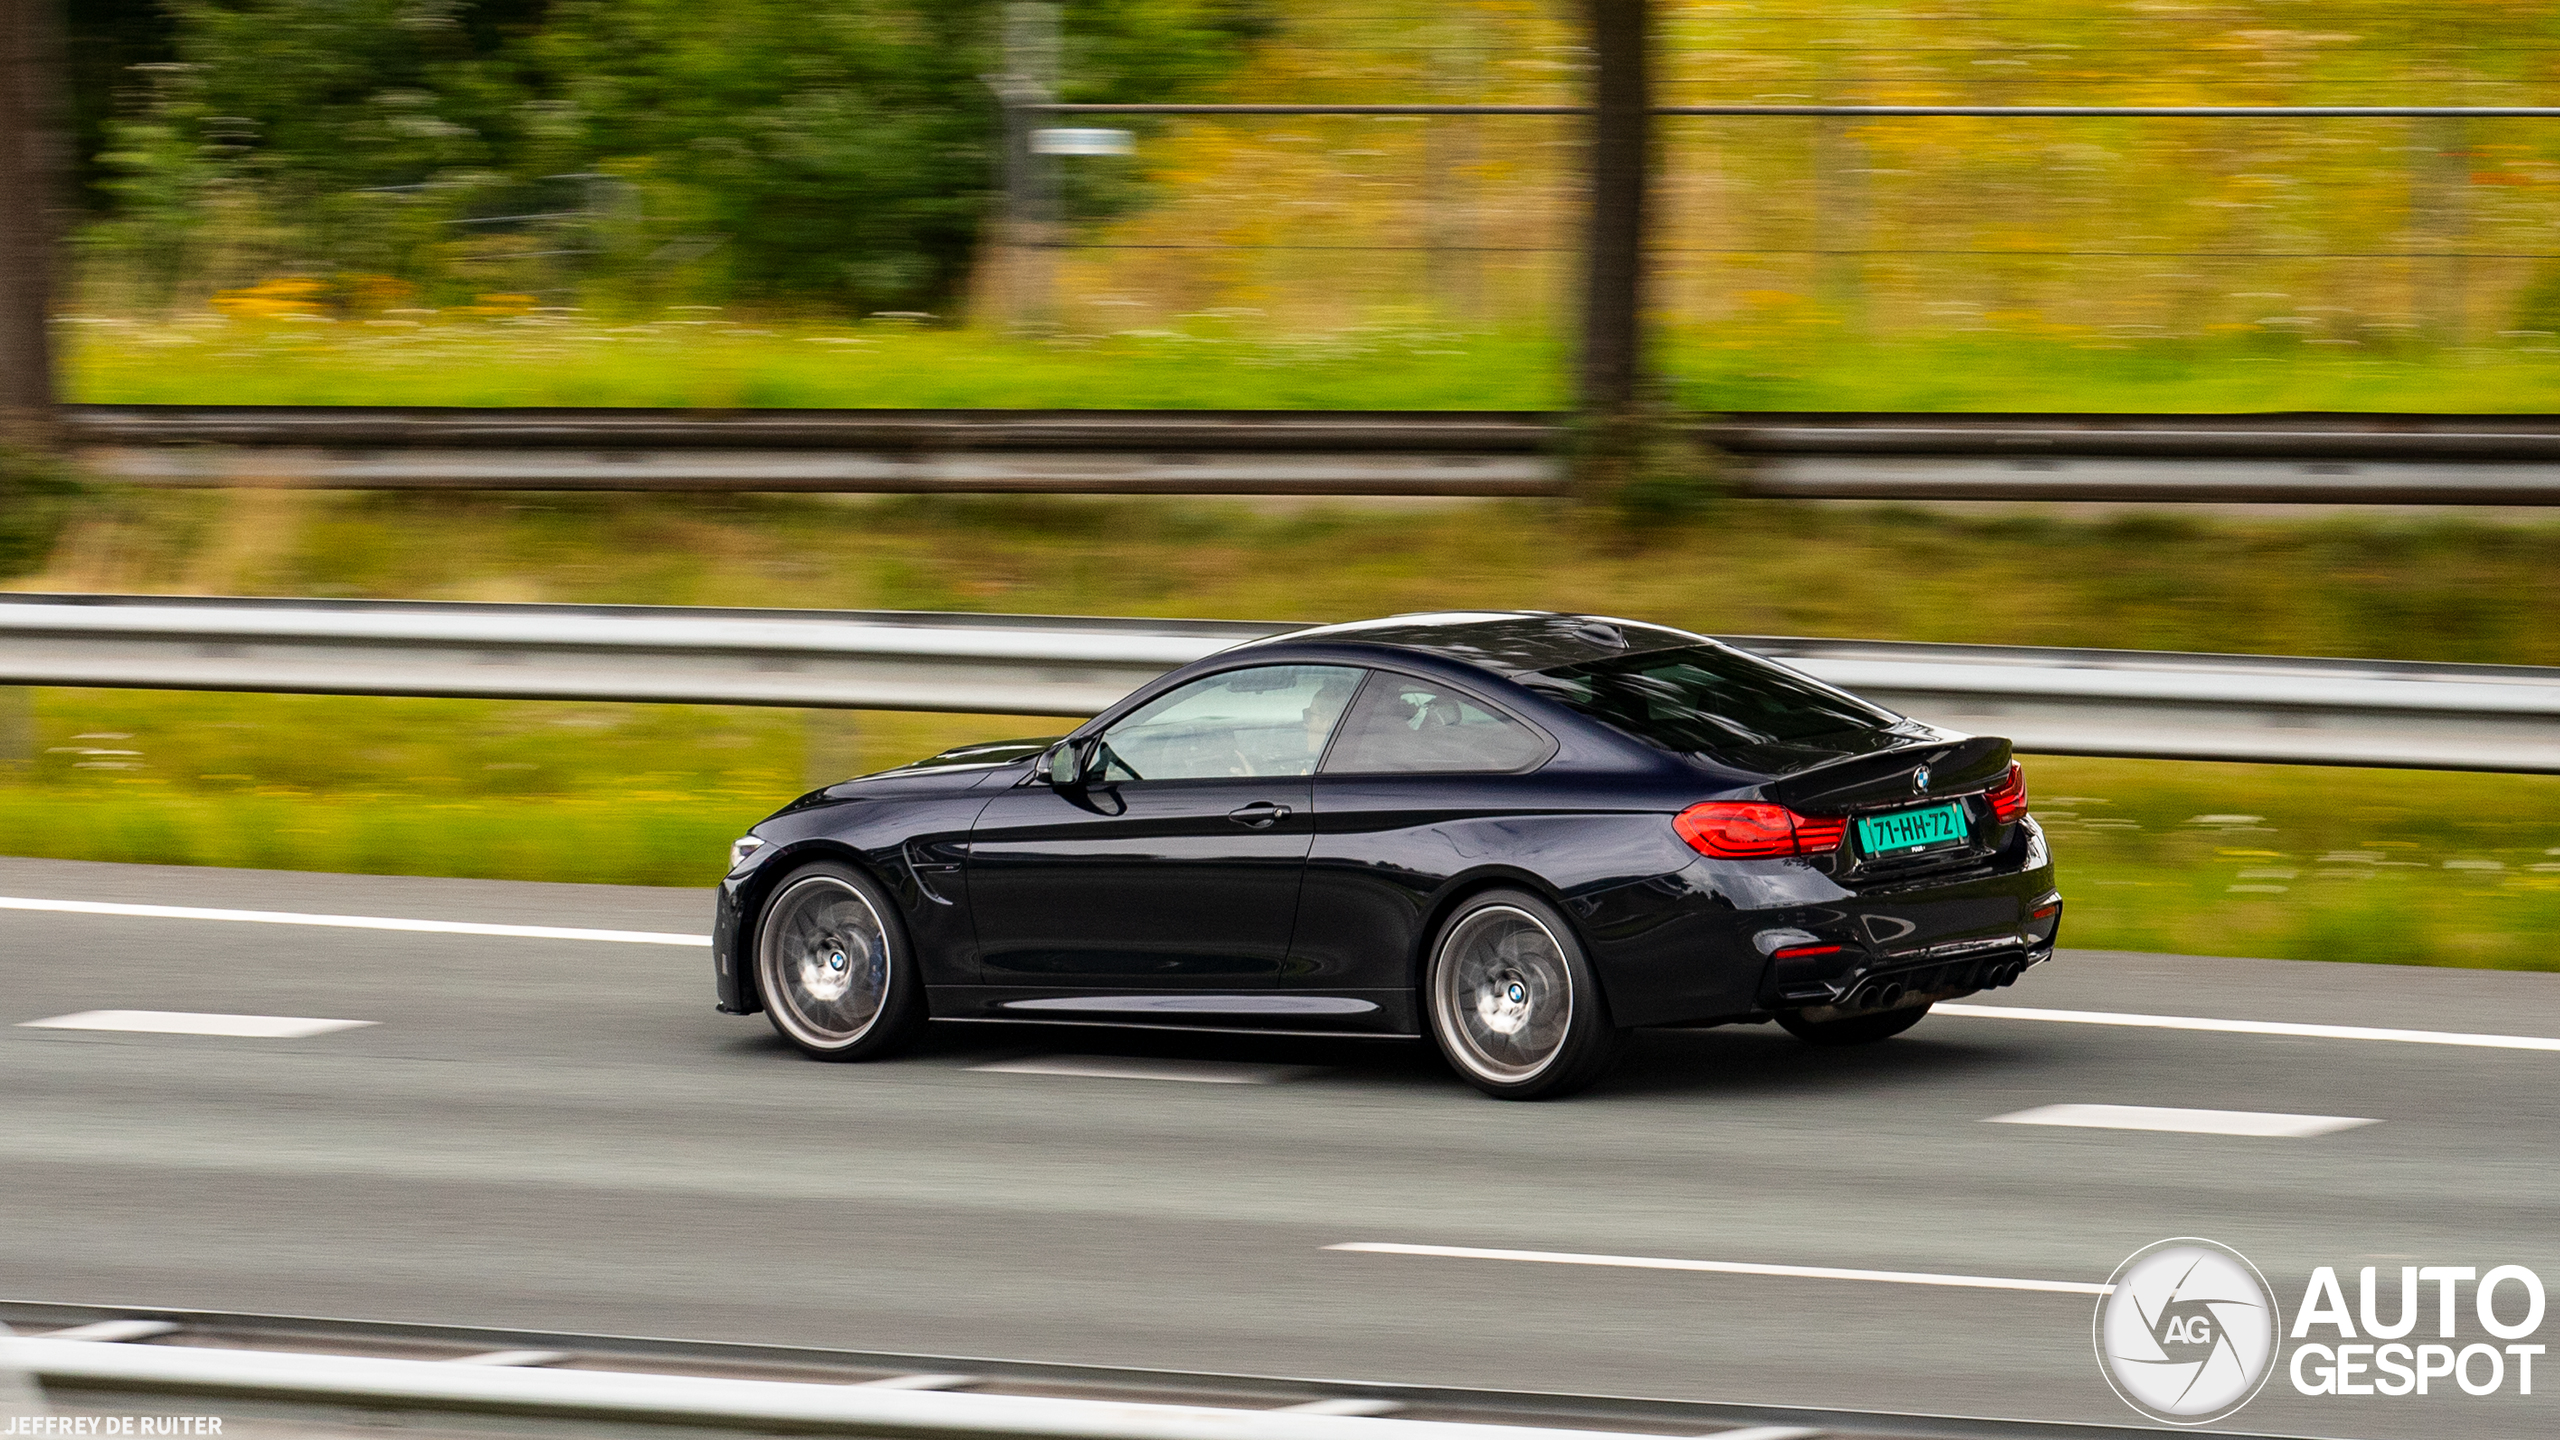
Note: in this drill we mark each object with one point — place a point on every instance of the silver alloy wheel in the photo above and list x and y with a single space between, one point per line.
824 958
1502 994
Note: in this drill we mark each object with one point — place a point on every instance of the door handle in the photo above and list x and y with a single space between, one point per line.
1260 815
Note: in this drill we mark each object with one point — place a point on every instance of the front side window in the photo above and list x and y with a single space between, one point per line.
1269 720
1720 703
1407 726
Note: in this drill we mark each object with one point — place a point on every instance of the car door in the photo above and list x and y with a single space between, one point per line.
1424 781
1175 868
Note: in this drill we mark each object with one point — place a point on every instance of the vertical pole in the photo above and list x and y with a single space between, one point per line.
1840 213
1613 257
833 746
1448 153
1030 202
2443 185
30 176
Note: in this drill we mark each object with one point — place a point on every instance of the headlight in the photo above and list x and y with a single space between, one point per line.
741 850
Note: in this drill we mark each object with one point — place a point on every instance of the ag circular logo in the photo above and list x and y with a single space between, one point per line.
2188 1333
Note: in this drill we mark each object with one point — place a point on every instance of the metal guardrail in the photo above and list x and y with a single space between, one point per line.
2325 458
2130 703
275 1364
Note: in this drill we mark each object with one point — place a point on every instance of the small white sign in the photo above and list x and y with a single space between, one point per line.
1083 142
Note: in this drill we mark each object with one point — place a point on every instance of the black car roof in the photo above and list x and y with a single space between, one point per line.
1510 642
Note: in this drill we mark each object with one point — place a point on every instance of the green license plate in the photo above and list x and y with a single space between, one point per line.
1907 832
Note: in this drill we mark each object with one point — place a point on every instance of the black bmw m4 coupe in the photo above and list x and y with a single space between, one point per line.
1517 834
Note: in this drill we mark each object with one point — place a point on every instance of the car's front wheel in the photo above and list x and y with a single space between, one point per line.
839 980
1513 1002
1852 1029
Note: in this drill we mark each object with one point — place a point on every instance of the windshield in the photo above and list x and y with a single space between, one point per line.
1733 708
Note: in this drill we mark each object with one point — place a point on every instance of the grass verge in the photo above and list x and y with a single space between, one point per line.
701 360
2367 865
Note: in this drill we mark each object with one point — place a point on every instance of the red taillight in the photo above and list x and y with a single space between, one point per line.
2009 797
1819 835
1804 952
1754 830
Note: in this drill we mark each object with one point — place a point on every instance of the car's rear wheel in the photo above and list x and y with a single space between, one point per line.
838 977
1513 1002
1852 1029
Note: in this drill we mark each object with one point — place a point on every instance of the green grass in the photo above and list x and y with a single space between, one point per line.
2446 870
2388 866
2366 865
568 359
619 794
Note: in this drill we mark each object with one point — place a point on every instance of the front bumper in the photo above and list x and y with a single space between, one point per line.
733 990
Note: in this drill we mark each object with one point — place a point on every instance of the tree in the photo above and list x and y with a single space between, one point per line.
30 175
1619 169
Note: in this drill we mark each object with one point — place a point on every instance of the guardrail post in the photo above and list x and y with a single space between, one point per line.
833 741
20 1396
17 730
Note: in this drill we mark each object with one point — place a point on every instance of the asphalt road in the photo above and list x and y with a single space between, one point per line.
562 1134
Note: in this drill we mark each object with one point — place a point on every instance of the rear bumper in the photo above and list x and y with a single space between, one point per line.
1943 972
1732 941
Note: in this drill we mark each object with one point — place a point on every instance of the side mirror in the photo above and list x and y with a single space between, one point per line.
1063 766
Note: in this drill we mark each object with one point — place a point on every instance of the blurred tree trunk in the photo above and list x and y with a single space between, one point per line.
30 182
1613 258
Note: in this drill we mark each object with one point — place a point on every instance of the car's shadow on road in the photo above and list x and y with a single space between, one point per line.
1733 1060
1730 1060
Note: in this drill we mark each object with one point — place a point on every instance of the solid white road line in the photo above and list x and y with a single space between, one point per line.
354 922
1728 1267
1134 1067
180 1022
2190 1122
2253 1027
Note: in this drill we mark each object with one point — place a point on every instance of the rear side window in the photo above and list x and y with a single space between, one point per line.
1401 725
1723 704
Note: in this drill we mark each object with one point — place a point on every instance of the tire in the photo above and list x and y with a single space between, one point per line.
1852 1029
1513 1003
833 964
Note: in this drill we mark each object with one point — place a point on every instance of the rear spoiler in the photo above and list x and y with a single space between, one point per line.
1886 777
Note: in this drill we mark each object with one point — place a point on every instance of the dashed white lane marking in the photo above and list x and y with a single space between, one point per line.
1728 1267
2254 1027
181 1022
354 922
2189 1122
513 1359
111 1332
1136 1067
